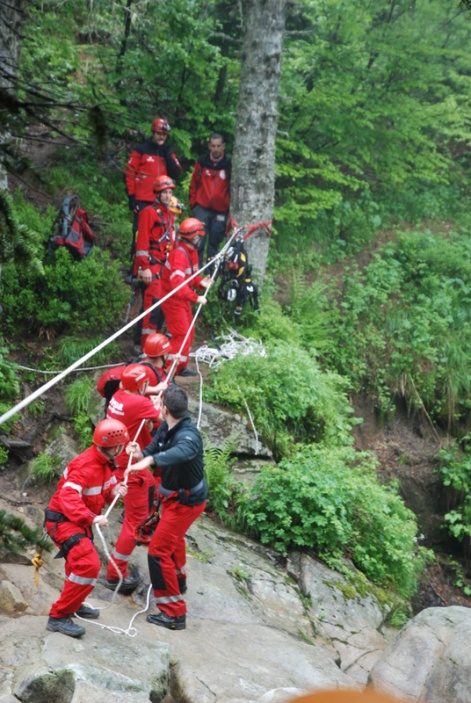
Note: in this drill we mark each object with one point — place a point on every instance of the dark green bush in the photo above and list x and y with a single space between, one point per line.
289 396
329 499
87 295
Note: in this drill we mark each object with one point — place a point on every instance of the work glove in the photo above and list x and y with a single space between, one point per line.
132 202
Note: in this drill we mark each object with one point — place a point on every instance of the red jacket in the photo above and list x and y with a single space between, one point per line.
210 184
85 487
132 409
147 161
155 238
181 263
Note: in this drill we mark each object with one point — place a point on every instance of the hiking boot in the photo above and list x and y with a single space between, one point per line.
171 623
87 612
66 626
128 584
182 585
187 372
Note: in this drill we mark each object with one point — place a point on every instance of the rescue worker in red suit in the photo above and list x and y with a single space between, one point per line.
130 406
147 161
177 450
155 241
210 194
88 482
180 265
156 350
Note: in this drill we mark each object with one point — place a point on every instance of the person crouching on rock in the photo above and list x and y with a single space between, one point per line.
87 483
177 450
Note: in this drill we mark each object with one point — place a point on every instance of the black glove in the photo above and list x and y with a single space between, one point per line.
132 202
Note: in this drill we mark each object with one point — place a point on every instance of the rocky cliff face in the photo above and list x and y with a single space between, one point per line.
260 629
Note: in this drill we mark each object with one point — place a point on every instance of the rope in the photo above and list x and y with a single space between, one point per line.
234 344
130 630
193 322
37 393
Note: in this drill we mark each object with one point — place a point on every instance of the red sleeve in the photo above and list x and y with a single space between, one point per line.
178 264
144 227
70 498
132 169
194 184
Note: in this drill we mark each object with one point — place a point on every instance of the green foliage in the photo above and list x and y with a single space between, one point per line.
44 468
329 499
291 399
218 465
72 348
77 399
3 454
77 395
84 428
15 535
374 106
455 471
401 325
20 243
70 295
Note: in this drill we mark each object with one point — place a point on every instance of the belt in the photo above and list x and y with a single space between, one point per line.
190 491
52 516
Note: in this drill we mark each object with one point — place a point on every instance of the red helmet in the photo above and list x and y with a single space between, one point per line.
162 183
134 376
191 228
160 124
110 433
156 345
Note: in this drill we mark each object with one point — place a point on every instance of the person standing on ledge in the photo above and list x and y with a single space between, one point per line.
177 451
210 195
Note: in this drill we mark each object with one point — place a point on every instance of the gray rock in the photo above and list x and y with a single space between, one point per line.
431 659
11 599
219 426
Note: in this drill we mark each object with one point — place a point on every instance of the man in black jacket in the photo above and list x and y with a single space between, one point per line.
177 451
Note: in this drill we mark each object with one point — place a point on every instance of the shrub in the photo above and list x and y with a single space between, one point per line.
218 471
71 294
290 398
330 500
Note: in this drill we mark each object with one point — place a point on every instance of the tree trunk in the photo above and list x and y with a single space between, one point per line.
253 179
12 15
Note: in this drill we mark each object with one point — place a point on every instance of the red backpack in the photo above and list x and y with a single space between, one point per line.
72 230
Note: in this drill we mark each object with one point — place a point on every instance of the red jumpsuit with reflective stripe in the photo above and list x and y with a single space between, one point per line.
131 410
81 494
155 240
180 265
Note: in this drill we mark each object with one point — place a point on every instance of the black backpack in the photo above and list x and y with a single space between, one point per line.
71 229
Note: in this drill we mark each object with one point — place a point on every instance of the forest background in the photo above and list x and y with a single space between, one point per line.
368 285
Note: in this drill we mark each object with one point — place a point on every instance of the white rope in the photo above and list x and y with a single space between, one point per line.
130 630
37 393
231 345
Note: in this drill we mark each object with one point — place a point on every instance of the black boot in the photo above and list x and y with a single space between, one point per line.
66 626
86 611
128 585
171 623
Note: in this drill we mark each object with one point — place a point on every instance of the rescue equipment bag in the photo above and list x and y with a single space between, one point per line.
235 281
71 229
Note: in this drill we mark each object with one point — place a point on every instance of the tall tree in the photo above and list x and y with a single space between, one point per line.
12 15
253 182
